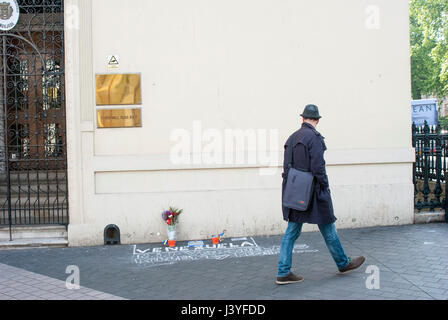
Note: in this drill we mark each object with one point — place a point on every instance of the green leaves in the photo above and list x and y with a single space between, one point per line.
443 121
429 47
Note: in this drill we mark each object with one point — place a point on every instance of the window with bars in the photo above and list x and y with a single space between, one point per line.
19 146
53 140
24 76
51 85
39 6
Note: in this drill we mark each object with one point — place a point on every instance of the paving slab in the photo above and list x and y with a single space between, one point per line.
46 288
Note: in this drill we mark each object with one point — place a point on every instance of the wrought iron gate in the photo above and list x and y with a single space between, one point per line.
33 162
430 168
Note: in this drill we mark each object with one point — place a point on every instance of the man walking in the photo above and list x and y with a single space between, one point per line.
308 147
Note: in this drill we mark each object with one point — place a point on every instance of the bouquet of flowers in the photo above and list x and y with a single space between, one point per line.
171 216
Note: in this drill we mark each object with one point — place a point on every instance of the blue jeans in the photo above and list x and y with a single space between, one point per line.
293 232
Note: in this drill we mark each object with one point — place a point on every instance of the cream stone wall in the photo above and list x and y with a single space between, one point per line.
247 64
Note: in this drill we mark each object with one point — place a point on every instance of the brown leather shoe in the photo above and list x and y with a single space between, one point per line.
354 264
290 278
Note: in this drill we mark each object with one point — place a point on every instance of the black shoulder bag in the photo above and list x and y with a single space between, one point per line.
299 187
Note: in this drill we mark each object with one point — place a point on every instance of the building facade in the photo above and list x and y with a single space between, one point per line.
221 85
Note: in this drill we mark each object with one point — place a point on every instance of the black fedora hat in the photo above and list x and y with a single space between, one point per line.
311 112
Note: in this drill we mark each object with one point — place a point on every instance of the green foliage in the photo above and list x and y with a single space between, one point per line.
443 121
429 47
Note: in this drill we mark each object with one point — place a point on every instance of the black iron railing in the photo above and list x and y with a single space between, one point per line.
430 167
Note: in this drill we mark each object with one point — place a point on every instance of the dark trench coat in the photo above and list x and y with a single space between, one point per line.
308 149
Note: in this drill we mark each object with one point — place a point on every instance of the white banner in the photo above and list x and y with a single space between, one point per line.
425 110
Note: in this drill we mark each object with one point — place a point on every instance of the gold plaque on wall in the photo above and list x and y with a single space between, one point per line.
118 89
119 118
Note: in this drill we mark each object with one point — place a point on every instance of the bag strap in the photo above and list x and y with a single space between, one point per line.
291 157
290 160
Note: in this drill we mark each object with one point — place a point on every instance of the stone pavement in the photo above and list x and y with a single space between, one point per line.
412 262
19 284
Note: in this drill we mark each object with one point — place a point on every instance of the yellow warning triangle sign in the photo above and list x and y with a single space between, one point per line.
113 61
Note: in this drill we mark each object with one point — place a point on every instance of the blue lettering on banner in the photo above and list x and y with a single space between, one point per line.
425 110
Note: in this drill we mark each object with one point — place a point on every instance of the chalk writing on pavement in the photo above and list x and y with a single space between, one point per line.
227 249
